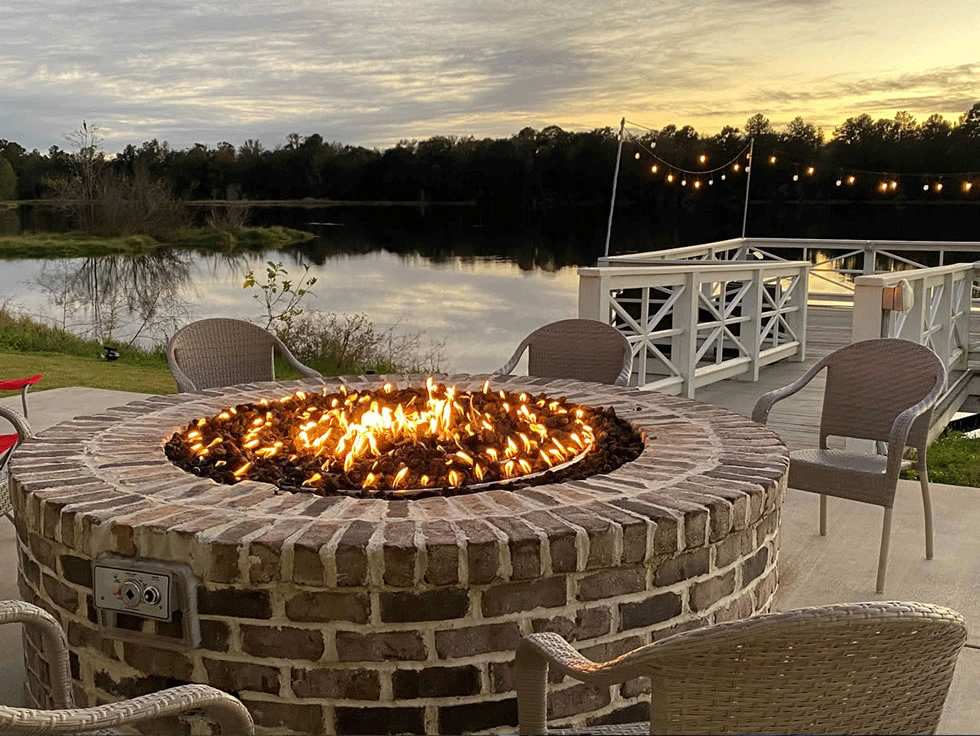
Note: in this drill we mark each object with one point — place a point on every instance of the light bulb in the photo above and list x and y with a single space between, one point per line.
796 177
735 167
893 184
697 183
748 168
653 169
883 186
683 182
772 159
850 180
723 177
810 171
702 158
939 186
967 186
925 187
670 177
712 181
838 182
637 155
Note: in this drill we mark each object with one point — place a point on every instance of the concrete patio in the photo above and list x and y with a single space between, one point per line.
813 570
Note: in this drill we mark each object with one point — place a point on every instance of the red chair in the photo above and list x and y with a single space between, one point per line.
22 385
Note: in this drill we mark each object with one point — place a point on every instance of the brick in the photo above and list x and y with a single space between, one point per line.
460 719
611 583
431 605
63 596
633 530
76 570
265 551
400 553
477 640
561 536
683 567
380 647
636 713
234 603
351 554
525 547
153 661
764 589
635 687
732 547
442 553
281 715
435 682
524 596
601 533
755 566
709 592
237 676
283 642
42 550
579 698
738 609
588 624
336 684
482 551
379 720
131 687
653 610
214 635
329 606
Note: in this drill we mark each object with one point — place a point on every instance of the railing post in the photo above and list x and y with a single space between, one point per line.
593 296
684 346
751 330
866 321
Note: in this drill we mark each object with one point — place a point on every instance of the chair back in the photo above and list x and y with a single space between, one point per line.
871 382
583 349
221 352
862 668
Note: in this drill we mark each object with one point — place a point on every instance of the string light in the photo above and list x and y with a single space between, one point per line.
939 186
670 177
838 182
810 170
893 184
796 177
637 155
772 159
967 186
735 167
712 181
653 169
850 180
723 177
697 183
702 158
683 182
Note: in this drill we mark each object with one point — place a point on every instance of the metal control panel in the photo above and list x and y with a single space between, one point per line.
136 592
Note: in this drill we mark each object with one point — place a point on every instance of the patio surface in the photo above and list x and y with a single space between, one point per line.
814 570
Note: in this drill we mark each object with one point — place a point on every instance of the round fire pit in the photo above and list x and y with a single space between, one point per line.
340 614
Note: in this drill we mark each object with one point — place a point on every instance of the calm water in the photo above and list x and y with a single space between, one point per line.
461 277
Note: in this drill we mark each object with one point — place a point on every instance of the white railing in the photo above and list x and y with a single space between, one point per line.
836 263
691 324
938 314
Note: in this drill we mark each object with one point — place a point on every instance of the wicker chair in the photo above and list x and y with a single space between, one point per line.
859 668
882 390
227 712
8 442
584 349
20 384
222 352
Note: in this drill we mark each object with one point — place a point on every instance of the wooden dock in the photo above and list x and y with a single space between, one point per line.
796 418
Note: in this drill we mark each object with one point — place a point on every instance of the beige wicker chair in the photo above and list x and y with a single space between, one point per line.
584 349
859 668
227 712
222 352
882 390
8 443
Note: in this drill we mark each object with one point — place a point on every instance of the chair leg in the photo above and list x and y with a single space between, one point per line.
926 503
23 399
823 515
886 532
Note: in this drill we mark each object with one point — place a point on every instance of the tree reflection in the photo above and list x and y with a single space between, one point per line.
125 298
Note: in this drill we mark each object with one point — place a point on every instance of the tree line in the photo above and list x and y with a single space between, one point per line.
545 168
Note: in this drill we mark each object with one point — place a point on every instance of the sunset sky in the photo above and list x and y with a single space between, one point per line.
372 73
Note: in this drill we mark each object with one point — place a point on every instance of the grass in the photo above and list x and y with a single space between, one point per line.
75 244
954 458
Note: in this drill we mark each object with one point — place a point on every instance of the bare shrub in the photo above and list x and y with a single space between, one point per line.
230 218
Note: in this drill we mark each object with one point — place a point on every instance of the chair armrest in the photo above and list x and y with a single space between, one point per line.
228 712
303 369
20 423
764 404
184 383
55 645
507 368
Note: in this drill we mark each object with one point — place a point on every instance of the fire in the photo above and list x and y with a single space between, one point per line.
394 440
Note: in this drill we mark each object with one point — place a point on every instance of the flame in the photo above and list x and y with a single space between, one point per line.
478 437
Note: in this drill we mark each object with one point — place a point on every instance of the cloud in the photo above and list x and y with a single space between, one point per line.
374 73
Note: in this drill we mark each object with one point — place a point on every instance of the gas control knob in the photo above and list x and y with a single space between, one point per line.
151 595
131 593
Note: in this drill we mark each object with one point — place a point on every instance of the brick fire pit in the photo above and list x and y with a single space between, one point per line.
346 615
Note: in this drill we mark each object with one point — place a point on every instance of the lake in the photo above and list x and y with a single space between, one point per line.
473 280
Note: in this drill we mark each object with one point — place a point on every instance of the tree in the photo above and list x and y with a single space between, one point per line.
8 180
758 125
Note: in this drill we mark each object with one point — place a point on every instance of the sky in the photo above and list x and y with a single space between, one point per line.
373 72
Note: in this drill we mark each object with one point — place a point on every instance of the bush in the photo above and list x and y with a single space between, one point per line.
8 180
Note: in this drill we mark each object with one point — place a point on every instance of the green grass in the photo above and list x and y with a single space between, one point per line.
954 458
73 370
75 244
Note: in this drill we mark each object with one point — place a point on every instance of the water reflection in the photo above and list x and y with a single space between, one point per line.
112 298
